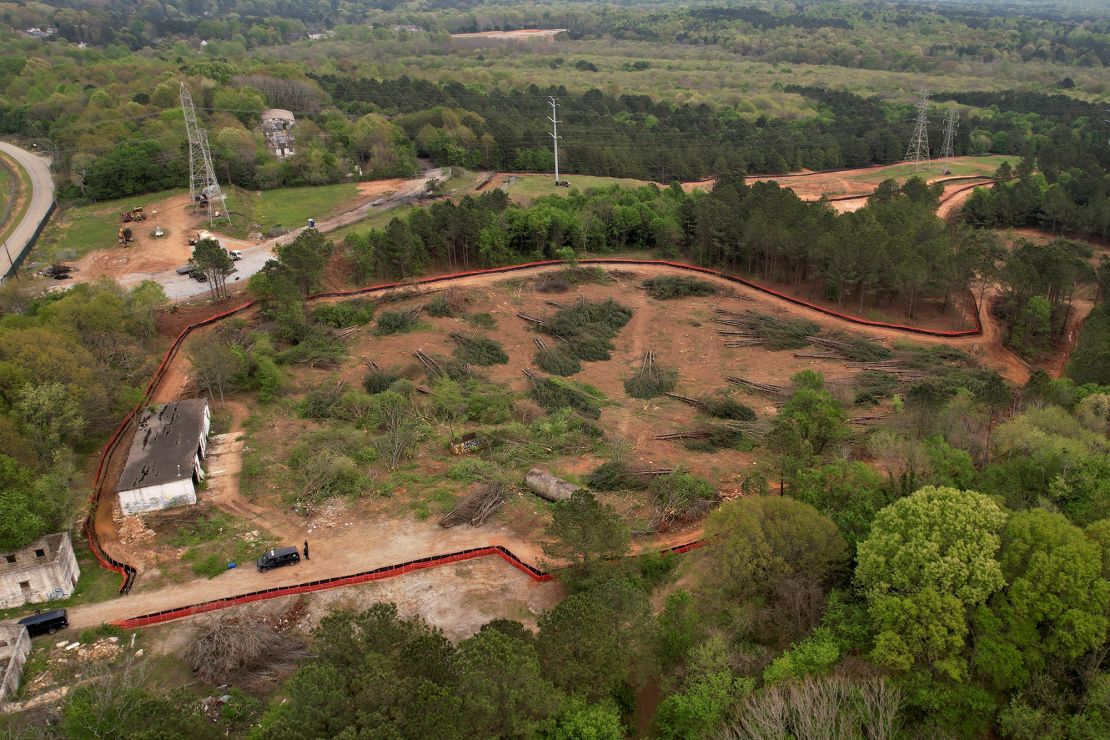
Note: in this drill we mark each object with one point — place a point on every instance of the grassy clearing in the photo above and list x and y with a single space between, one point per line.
677 286
960 166
76 231
376 220
214 539
529 187
290 208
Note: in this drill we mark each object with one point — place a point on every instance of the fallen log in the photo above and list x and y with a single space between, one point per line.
682 435
428 362
686 399
530 317
547 486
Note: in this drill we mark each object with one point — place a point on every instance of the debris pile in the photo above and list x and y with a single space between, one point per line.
479 506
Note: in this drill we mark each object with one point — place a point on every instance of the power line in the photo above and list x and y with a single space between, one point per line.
204 188
951 123
917 152
554 118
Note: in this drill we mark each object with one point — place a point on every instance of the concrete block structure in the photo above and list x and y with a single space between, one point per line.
15 645
42 571
277 127
164 464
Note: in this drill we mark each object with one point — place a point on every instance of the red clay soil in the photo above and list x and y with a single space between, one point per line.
668 328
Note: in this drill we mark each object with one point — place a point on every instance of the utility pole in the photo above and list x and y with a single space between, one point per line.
947 150
554 118
204 188
917 152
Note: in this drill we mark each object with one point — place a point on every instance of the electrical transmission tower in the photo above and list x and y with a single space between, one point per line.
918 150
947 150
554 118
204 189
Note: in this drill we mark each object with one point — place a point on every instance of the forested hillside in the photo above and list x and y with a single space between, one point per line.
111 117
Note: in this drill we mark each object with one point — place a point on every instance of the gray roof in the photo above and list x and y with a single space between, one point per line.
166 441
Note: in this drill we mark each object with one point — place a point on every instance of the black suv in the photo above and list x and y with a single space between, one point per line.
278 557
46 623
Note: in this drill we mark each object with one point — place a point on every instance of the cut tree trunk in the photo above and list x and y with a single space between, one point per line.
547 486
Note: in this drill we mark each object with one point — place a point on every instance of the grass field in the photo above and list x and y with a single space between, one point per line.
377 220
529 187
292 207
78 230
960 167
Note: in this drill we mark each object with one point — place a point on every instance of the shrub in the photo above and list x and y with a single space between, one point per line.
315 350
479 350
678 286
680 496
558 361
554 394
92 634
588 328
396 322
325 476
319 402
439 307
481 320
613 476
720 438
355 312
651 381
723 407
377 381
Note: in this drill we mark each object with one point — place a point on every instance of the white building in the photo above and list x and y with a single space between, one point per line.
163 466
277 127
44 570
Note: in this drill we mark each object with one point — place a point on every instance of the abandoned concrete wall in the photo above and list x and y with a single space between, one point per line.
163 496
44 570
15 645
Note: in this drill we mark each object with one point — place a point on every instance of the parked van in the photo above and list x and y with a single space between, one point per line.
46 623
278 557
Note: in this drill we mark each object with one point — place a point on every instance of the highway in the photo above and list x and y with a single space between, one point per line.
42 198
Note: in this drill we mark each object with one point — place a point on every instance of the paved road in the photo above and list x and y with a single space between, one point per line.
255 256
42 197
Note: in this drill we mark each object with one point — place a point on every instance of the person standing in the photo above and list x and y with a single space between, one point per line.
306 549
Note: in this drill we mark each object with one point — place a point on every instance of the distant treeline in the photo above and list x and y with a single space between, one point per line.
893 250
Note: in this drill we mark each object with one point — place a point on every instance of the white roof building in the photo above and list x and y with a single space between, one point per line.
164 464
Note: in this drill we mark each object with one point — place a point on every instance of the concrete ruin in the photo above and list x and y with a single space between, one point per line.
277 127
15 646
44 570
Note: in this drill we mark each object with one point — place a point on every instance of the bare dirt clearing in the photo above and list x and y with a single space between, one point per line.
388 526
523 34
148 255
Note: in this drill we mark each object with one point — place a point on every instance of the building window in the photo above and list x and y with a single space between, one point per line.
40 553
10 558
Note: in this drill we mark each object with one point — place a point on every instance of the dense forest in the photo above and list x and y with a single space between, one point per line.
111 117
72 364
869 35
